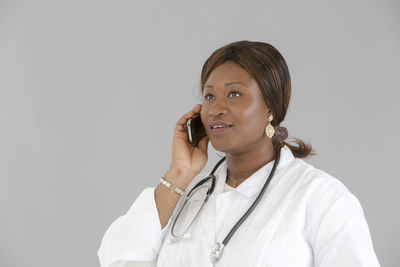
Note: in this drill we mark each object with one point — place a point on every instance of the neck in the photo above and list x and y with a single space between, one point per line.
243 164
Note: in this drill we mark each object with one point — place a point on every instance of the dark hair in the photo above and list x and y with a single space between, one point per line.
268 68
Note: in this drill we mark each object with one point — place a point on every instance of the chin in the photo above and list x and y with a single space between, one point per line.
223 145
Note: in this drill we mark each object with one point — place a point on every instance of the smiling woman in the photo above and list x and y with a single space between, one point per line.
261 205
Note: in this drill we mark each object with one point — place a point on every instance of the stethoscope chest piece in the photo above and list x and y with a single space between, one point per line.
216 252
218 247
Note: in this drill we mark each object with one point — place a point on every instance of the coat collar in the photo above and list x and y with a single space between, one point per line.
255 182
251 185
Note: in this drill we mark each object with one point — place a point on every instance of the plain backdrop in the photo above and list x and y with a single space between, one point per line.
90 92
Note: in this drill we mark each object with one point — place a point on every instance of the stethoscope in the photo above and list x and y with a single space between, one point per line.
218 247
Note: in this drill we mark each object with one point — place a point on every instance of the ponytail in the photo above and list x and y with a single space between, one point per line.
300 150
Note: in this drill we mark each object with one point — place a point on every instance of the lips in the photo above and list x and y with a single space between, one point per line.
219 123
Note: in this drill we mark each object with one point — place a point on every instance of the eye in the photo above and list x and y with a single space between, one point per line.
234 92
205 97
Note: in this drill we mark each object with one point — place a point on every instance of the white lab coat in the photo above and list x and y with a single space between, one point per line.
305 218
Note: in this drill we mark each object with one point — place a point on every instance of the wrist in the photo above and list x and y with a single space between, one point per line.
178 178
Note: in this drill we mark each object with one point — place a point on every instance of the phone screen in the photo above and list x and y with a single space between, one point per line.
195 129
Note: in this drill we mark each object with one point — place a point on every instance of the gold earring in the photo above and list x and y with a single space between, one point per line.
269 130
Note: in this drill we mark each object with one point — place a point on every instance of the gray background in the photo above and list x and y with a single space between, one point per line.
90 92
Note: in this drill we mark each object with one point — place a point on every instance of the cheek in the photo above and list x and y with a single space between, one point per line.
252 117
248 110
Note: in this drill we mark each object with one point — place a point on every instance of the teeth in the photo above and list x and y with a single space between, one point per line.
219 126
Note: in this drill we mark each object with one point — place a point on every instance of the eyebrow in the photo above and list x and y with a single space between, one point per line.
226 84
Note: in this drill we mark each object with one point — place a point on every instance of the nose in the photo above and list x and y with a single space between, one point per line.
217 108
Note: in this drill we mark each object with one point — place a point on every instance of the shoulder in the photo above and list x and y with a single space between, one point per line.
326 199
319 191
316 181
334 223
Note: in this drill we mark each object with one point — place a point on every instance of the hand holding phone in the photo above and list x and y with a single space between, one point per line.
188 159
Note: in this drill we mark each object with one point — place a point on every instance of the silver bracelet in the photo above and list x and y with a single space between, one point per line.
172 187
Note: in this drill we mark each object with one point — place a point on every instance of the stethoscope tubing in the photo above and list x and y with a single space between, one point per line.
253 205
208 194
210 176
217 250
256 201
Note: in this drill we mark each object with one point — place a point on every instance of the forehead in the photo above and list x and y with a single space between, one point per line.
228 72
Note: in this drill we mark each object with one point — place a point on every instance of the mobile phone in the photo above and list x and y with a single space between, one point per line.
195 129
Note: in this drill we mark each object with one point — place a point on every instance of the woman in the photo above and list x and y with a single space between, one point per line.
268 206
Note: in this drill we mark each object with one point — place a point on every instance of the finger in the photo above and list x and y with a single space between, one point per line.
197 108
182 121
